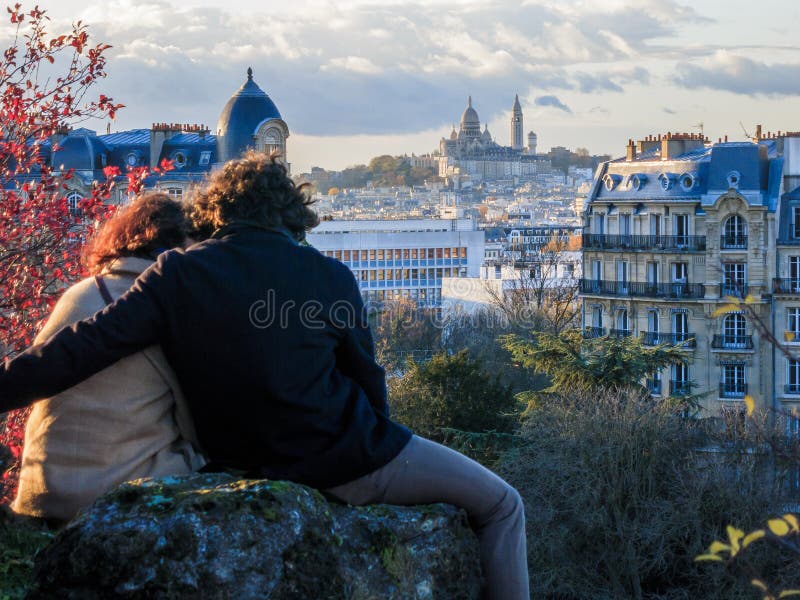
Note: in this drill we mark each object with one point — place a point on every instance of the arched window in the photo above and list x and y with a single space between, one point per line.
734 232
73 204
623 323
733 329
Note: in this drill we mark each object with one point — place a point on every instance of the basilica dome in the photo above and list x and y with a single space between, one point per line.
470 118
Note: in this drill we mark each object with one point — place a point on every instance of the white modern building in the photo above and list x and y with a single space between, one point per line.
404 258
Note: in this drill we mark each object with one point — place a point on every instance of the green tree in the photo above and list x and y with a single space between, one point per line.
451 392
574 363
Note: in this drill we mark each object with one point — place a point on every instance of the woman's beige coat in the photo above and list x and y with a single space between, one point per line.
125 422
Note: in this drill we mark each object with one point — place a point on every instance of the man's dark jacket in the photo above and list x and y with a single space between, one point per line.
271 347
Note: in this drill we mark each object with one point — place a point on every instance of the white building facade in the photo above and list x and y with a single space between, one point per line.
404 258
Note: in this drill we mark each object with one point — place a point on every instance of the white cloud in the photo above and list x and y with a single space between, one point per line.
356 64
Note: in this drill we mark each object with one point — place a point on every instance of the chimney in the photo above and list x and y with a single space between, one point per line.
630 151
160 133
758 134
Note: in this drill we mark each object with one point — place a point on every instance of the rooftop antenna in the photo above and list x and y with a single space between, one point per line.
701 127
747 135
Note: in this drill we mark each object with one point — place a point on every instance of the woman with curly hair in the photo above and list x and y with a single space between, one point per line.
129 420
271 345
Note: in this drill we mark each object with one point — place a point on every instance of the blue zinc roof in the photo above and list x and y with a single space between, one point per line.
699 175
192 149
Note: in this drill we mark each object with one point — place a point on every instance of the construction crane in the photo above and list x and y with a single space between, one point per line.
747 135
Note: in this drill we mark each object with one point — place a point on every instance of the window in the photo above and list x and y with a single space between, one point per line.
654 383
652 323
681 229
792 425
680 326
175 192
463 252
796 222
599 223
793 376
346 255
73 204
622 320
734 280
622 276
733 384
655 225
792 324
679 385
680 272
733 419
652 274
734 233
733 331
205 158
597 270
794 273
413 254
597 317
380 254
625 224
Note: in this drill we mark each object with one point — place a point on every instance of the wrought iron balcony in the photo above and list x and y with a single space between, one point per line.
673 243
593 332
679 387
656 338
733 241
619 333
786 286
643 289
732 342
732 389
733 288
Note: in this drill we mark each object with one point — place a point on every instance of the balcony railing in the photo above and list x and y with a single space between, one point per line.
642 289
593 332
619 333
732 342
656 338
676 243
792 388
679 387
736 241
732 389
786 286
735 289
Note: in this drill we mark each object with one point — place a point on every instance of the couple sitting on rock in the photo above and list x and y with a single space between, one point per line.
268 341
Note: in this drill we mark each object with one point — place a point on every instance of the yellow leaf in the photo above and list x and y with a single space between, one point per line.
734 535
717 547
778 526
759 584
787 593
788 336
703 557
750 299
725 308
792 520
750 404
752 537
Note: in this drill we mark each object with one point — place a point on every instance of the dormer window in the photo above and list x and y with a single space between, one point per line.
733 179
205 158
637 181
666 180
611 181
179 159
132 159
688 181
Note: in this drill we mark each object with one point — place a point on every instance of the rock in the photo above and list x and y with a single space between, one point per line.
211 536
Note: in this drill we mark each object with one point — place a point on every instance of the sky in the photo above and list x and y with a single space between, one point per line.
354 78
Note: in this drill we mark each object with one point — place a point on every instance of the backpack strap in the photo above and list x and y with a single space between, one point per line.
103 289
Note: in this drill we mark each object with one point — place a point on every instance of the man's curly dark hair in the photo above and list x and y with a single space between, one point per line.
255 188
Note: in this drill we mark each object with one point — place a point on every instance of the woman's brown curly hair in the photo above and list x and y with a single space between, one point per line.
151 223
255 188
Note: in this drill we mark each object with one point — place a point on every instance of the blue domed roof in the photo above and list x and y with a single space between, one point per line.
81 150
245 111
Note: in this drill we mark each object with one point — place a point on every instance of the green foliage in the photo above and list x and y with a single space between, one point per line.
451 391
620 498
574 363
20 540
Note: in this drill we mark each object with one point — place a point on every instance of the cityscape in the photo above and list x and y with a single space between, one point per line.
546 267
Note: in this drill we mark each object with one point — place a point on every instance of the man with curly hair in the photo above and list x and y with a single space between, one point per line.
272 348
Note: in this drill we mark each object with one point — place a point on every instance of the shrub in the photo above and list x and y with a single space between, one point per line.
619 501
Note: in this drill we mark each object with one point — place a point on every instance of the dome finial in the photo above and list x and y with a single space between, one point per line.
469 100
249 73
